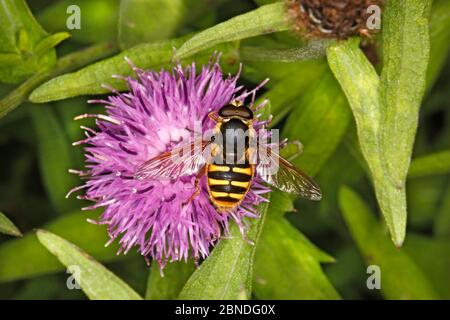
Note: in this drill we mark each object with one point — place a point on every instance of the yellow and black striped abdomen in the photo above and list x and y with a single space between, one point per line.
228 184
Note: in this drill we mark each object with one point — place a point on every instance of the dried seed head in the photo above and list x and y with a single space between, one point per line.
331 18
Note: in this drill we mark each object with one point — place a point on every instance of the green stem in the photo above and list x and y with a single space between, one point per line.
313 50
67 63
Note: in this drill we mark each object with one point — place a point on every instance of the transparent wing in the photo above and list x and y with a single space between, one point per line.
280 173
183 161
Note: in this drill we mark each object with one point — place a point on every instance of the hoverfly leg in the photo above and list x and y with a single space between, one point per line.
213 116
199 175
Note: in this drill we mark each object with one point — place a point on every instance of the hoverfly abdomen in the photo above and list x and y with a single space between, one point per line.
229 183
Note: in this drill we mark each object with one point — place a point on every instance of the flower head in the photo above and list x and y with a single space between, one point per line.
158 113
331 18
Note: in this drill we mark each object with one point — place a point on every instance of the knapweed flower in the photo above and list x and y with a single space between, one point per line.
157 114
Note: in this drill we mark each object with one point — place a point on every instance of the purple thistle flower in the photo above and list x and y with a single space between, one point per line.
157 114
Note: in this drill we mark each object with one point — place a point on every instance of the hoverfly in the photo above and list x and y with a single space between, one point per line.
230 173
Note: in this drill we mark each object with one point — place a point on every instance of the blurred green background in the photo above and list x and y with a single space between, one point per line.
36 151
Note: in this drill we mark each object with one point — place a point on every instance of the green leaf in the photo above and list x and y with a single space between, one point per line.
386 110
65 64
432 164
361 85
168 286
66 111
90 79
50 42
7 227
287 265
340 168
266 19
401 277
406 49
98 19
94 279
25 257
319 121
284 95
228 271
439 38
55 160
21 43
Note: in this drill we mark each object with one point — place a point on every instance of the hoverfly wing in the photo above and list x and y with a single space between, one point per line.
183 161
282 174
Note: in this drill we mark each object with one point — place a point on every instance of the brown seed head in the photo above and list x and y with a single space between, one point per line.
331 18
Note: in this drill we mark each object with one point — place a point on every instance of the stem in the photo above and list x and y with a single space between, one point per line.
313 50
67 63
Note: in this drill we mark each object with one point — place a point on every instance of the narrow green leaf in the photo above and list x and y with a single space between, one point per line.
20 35
25 257
66 111
168 286
319 121
7 227
228 271
386 110
361 85
55 160
401 277
65 64
287 265
90 79
436 163
406 50
50 42
284 95
266 19
94 279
